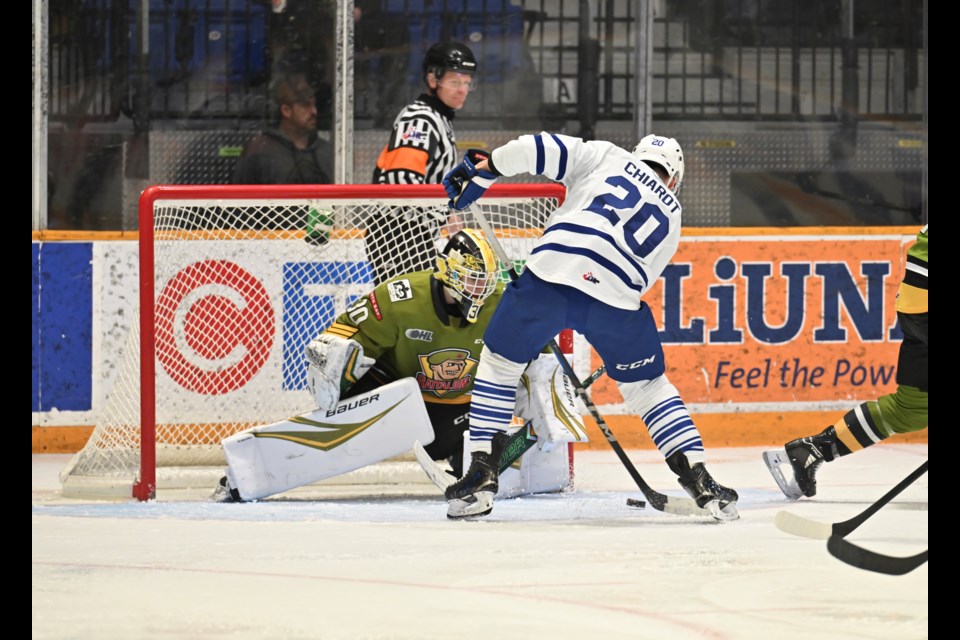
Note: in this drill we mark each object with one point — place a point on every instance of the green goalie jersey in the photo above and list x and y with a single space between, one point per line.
405 325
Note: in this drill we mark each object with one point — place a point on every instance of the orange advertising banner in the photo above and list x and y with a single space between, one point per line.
778 319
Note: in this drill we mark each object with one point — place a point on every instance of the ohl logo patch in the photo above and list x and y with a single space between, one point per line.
446 371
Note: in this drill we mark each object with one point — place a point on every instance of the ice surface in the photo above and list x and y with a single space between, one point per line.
385 563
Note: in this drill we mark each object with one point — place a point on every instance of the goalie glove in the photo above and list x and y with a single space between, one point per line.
465 183
334 364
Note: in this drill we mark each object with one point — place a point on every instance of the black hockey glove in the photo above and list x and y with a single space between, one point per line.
465 183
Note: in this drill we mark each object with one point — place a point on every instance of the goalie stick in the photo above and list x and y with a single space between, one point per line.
800 526
842 549
660 501
517 445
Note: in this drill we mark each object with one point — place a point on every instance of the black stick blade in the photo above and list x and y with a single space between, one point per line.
842 549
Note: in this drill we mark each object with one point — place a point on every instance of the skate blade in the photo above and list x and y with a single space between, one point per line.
776 459
726 513
473 506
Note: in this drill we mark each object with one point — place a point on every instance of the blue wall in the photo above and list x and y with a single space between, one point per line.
62 326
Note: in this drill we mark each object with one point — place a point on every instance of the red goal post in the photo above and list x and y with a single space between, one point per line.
234 281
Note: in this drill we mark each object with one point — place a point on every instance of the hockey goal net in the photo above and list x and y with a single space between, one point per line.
234 282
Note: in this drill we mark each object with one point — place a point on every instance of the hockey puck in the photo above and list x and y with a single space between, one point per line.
639 504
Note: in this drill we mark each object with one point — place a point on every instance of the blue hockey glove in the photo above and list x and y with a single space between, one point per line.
465 183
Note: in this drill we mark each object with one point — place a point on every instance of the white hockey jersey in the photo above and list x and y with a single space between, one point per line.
618 226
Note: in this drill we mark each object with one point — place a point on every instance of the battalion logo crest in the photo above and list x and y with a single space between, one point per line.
446 371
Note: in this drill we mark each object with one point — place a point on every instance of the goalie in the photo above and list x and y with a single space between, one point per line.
399 366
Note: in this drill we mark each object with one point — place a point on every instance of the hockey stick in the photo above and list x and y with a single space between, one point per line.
660 501
517 445
842 549
800 526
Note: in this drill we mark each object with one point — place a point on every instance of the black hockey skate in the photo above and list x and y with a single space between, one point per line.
456 464
807 454
719 500
472 495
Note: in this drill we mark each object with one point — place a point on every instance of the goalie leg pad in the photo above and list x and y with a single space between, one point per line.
359 431
547 471
546 396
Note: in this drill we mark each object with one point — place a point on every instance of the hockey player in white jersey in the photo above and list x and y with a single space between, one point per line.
603 248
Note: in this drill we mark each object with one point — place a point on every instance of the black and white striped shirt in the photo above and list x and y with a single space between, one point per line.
422 146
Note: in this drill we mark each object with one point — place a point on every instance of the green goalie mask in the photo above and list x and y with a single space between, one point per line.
469 269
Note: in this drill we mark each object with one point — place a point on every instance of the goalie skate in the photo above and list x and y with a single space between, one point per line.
776 459
225 493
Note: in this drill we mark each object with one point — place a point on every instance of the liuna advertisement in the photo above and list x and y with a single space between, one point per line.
767 332
773 332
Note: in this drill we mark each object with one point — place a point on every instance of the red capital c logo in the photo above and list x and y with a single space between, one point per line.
215 327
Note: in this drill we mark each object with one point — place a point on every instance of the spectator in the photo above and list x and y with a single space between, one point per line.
421 149
302 37
292 152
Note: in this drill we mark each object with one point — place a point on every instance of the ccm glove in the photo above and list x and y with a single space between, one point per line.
465 183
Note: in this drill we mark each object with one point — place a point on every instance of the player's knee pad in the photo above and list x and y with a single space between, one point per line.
546 396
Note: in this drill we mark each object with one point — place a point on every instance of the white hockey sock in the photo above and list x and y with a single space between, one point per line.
666 417
494 398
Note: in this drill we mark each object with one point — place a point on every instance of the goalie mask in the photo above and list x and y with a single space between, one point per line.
665 152
469 270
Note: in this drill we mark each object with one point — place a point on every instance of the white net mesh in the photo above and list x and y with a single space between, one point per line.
242 284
